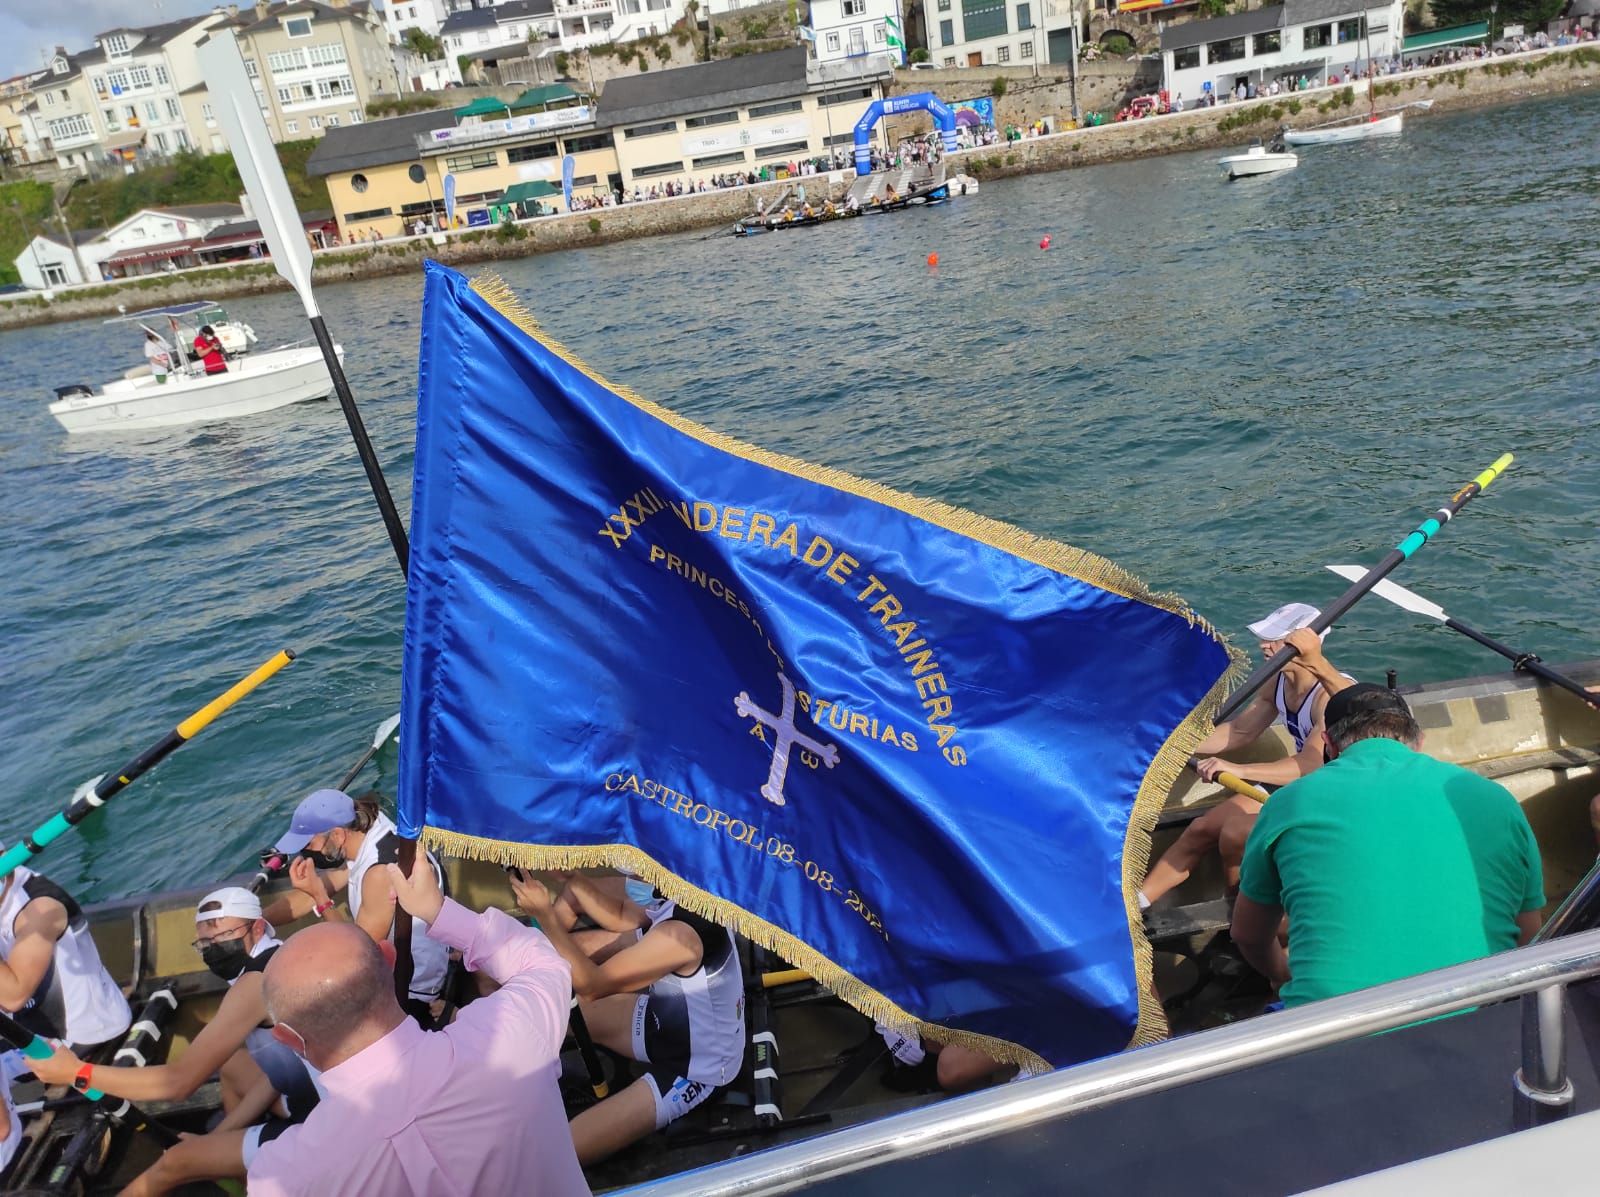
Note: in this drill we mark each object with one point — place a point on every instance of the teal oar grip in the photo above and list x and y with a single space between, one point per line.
39 1049
1424 533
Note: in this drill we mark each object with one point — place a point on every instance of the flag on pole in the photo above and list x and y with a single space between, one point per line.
915 751
896 42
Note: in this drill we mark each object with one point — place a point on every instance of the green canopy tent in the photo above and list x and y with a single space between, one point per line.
551 95
529 194
484 106
1434 39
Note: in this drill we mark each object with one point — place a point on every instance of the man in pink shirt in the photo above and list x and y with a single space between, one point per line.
471 1109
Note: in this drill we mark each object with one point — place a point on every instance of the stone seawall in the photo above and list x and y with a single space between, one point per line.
1495 81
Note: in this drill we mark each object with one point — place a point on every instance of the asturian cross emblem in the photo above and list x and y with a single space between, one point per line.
788 737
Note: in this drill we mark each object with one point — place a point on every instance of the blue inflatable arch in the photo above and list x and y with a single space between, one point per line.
925 100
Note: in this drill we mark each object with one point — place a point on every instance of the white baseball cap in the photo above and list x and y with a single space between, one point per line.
230 902
1284 620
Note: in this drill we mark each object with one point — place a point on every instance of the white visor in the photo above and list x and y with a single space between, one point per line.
1284 620
233 902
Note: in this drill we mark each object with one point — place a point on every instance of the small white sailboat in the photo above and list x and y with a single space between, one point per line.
1358 128
1257 160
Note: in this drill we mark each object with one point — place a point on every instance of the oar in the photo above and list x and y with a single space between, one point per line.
234 99
273 863
1408 600
1240 786
1424 532
36 1047
92 795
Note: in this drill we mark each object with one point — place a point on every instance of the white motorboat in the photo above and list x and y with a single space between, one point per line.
1356 129
1257 160
252 384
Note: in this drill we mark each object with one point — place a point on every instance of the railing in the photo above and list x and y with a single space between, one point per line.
1543 1091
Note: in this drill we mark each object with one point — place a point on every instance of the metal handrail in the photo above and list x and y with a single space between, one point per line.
978 1116
1578 910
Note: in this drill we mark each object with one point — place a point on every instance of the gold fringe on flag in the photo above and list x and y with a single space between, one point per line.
1084 566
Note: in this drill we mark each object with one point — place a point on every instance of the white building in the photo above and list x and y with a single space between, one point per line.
47 261
854 28
137 83
561 24
1308 39
976 33
426 15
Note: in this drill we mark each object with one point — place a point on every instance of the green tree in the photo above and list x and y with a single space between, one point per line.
424 43
998 87
919 55
664 52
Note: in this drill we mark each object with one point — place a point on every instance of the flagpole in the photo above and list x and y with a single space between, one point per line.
234 100
1421 535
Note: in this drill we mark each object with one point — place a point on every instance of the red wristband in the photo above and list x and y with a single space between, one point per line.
323 908
80 1080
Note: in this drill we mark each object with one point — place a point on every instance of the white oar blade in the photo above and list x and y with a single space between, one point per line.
385 729
1398 595
233 98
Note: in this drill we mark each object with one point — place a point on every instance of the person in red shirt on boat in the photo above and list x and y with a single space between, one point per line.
209 350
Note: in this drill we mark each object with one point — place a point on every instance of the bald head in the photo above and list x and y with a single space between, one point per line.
332 985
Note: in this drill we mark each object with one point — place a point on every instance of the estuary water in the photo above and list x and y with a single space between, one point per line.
1223 387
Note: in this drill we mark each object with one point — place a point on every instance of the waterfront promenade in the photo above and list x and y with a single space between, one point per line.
1497 80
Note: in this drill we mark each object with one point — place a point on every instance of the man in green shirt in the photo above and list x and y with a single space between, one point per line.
1388 862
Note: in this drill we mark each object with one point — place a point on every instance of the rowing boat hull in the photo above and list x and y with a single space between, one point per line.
1384 126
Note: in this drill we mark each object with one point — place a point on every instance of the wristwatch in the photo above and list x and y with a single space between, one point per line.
80 1081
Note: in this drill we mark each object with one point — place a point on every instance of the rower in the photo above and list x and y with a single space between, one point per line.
336 840
51 977
266 1088
1297 700
656 984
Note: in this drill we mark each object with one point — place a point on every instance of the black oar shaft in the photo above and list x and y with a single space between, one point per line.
591 1058
1525 662
114 783
1421 535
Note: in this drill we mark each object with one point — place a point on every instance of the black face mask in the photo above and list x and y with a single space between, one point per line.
226 959
323 860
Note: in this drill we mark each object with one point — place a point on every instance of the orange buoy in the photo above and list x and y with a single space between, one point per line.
1044 242
933 259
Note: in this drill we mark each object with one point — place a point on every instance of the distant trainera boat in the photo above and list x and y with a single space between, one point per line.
1257 160
254 383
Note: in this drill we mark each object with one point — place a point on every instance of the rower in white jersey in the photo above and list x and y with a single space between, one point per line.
51 977
1297 699
266 1088
657 984
336 840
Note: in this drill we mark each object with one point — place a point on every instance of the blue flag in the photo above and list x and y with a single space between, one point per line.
914 751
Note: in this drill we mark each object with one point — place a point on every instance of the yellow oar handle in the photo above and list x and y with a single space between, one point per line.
785 977
1240 786
197 722
1494 471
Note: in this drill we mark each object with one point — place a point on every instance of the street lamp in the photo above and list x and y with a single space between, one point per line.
1494 7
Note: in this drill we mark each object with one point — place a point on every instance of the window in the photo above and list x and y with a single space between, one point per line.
650 130
65 128
944 5
332 120
844 97
330 54
1314 37
660 168
286 60
140 75
250 68
462 162
332 89
357 116
49 99
1225 51
174 109
314 122
721 160
369 214
761 110
182 138
151 112
100 86
109 117
833 41
1350 31
1026 49
855 8
585 180
162 78
1003 54
1186 58
291 126
983 18
116 44
298 27
1024 17
590 141
949 61
839 139
55 276
161 143
285 96
716 118
878 34
119 81
1267 43
786 150
531 153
